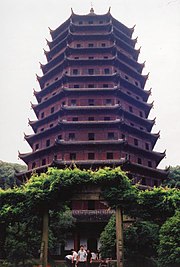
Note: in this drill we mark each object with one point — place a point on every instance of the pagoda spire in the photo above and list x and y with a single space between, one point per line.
92 9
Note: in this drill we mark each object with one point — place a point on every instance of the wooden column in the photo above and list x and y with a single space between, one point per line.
119 237
44 243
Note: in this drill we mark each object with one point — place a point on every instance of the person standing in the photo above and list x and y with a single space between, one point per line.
89 258
74 257
82 257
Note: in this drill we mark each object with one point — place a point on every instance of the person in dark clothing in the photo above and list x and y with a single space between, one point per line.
89 258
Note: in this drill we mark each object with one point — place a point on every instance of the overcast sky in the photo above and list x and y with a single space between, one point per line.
24 27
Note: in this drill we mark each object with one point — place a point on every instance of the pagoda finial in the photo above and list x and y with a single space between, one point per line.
109 10
92 9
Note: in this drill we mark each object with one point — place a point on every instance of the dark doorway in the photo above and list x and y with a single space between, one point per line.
92 244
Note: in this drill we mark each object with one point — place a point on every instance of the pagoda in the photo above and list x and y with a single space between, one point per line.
92 107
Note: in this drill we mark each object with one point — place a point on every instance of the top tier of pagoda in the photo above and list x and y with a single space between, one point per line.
92 107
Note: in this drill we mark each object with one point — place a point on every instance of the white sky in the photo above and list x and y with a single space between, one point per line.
23 29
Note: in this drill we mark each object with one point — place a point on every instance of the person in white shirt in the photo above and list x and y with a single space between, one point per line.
74 257
68 260
82 257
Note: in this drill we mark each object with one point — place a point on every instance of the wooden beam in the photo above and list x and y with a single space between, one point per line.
44 243
119 237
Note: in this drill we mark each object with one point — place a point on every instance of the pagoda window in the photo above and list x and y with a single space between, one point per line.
76 57
54 93
147 146
103 44
48 142
73 102
143 181
78 45
101 22
132 124
131 109
36 147
51 125
71 136
72 156
90 85
105 85
123 136
91 156
91 45
137 97
43 161
141 128
126 77
55 157
91 102
136 83
149 163
139 161
106 71
90 71
155 183
135 142
75 119
42 115
91 57
129 93
42 129
105 57
107 118
33 165
63 103
47 84
90 21
91 136
52 110
109 155
91 119
56 79
80 22
75 71
108 102
141 114
76 85
111 136
60 137
91 205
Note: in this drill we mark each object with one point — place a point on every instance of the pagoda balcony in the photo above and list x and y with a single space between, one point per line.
89 77
90 142
152 137
148 124
56 41
146 107
85 50
56 49
129 49
52 63
61 28
131 72
87 89
90 163
124 37
143 170
102 215
135 89
130 61
96 122
102 107
157 156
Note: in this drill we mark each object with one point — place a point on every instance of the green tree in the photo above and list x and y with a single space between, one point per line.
173 179
169 247
7 171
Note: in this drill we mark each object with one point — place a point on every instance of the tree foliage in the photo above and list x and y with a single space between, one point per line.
7 171
169 247
173 179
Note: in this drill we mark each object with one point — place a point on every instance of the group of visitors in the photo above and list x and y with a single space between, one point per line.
82 258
